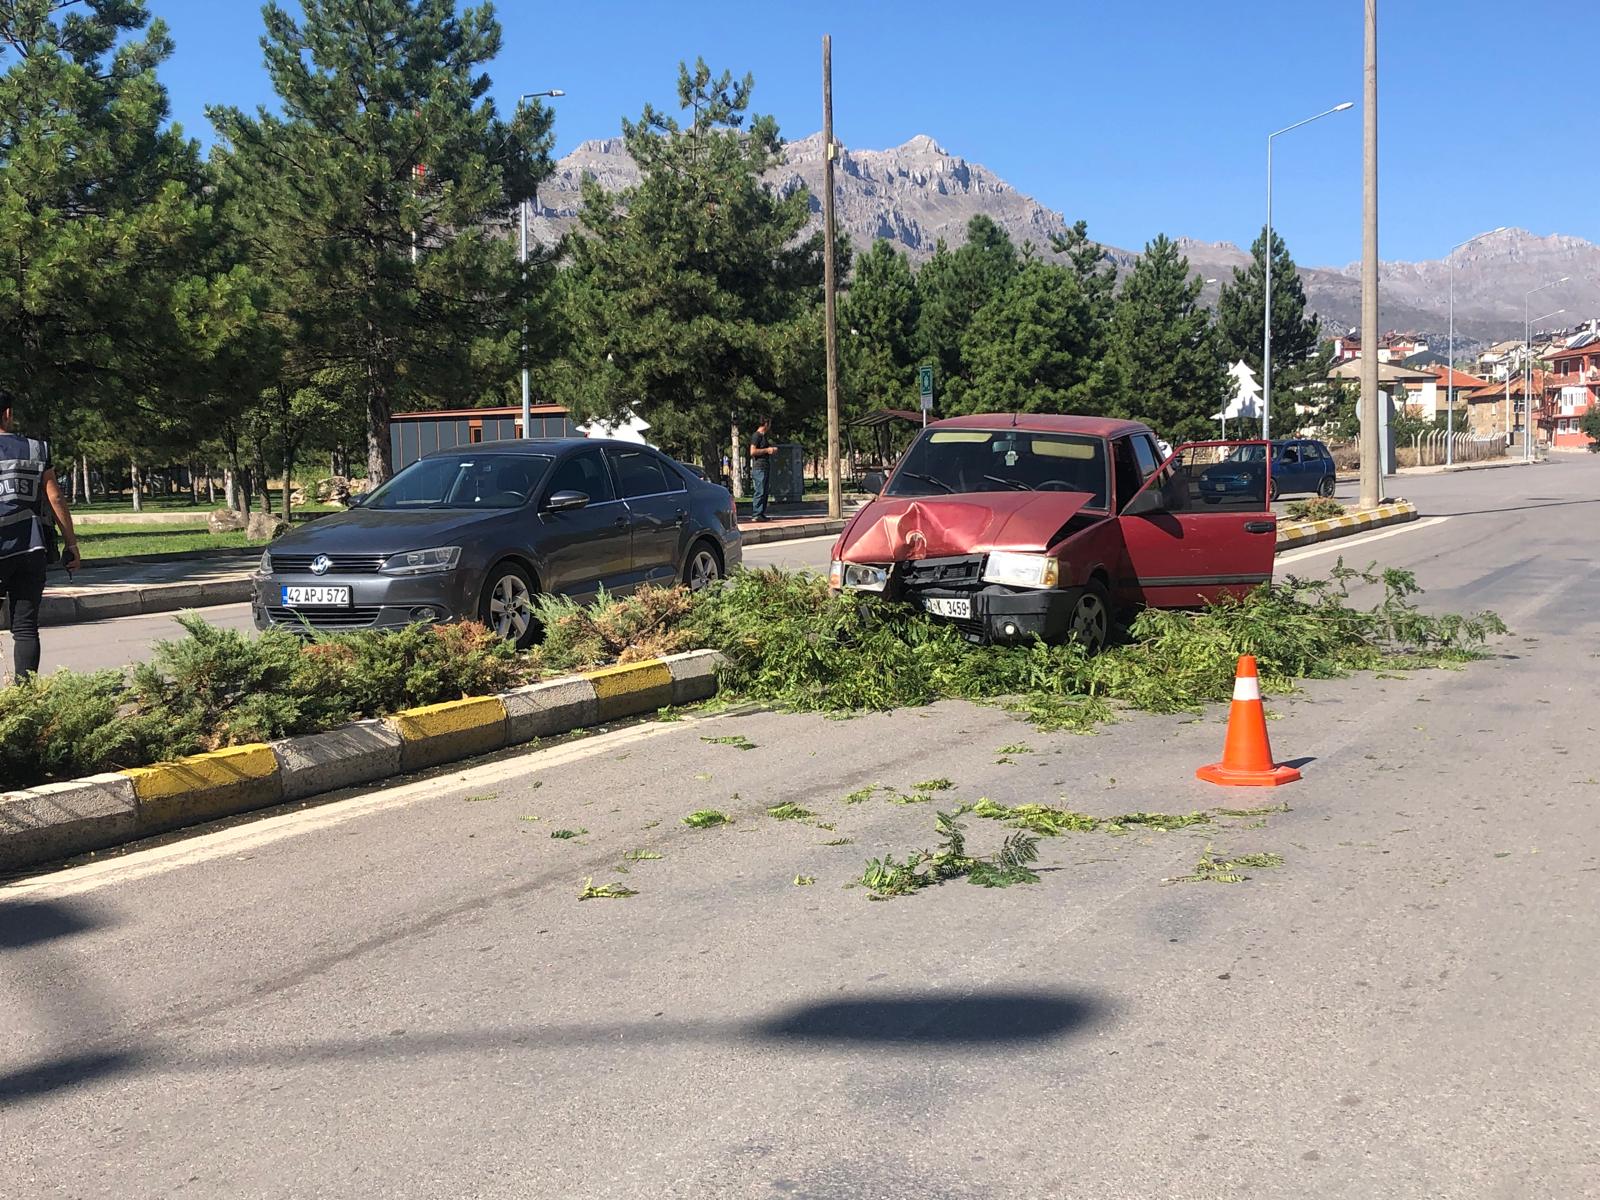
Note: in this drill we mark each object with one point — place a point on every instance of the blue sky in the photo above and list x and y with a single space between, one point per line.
1139 118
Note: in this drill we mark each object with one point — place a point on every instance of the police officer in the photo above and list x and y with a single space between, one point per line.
26 483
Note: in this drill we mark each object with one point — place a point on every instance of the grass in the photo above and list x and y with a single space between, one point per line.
119 541
707 818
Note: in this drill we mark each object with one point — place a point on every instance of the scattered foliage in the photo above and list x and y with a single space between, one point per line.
707 818
606 891
1212 869
567 834
1317 508
887 877
737 740
789 811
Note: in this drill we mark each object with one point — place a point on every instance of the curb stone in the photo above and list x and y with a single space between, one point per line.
60 820
1306 533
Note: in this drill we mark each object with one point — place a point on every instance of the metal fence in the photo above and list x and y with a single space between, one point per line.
1433 449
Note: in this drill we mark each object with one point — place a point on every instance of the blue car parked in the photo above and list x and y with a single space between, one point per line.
1299 466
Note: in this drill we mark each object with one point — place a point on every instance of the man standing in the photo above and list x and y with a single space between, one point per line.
26 483
761 452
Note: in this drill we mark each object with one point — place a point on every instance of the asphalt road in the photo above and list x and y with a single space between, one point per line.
398 993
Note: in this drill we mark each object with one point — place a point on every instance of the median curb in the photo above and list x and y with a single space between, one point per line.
1292 534
60 820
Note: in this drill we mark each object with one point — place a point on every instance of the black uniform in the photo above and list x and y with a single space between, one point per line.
23 463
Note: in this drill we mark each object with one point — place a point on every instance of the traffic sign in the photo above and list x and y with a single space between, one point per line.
925 387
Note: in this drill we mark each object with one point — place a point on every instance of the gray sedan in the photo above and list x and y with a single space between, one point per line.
474 533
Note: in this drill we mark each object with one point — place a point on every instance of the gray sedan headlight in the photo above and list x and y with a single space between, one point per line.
422 562
265 567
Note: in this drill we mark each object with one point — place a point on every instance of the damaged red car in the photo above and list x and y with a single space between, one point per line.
1015 527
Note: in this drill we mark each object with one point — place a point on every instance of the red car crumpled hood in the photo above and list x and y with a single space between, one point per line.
891 529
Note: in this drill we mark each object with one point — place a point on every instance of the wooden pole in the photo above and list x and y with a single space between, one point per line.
830 284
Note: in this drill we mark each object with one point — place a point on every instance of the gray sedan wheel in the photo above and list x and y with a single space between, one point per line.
704 567
507 605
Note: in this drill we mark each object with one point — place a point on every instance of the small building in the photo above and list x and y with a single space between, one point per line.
1572 389
413 434
1499 409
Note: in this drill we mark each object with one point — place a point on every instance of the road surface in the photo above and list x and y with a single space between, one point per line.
399 994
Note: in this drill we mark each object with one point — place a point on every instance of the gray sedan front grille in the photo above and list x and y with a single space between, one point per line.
343 564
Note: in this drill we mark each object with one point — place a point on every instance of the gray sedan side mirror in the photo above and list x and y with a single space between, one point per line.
565 501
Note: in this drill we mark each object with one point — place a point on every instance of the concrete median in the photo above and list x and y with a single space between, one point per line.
1294 534
60 820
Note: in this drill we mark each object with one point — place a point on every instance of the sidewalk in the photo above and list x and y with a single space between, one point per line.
126 589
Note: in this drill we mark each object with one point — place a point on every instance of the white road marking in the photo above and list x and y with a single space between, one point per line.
1351 542
778 545
240 838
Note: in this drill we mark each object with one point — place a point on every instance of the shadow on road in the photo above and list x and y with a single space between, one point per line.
918 1020
26 923
934 1018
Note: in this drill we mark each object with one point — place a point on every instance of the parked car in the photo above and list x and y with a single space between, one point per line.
1017 527
474 533
1299 465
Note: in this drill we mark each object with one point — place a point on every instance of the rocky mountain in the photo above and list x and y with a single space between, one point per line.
918 193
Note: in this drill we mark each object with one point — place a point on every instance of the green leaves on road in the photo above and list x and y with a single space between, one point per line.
707 818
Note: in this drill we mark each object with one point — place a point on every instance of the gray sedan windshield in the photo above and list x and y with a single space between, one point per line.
463 481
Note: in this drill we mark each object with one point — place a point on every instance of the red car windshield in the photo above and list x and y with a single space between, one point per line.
945 462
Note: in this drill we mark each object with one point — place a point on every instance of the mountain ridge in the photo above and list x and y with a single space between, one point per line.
918 193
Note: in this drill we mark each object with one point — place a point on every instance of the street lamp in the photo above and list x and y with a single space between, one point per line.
1266 314
522 257
1450 359
1527 388
1527 365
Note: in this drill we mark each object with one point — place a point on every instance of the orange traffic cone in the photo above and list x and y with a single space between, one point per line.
1246 754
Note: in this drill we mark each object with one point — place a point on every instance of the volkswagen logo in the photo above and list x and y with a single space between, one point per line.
321 564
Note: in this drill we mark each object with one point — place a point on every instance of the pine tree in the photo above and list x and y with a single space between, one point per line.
381 199
101 220
1299 359
1168 347
877 332
692 298
1030 348
951 288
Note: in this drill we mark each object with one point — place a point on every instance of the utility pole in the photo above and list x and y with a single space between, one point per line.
1371 444
830 283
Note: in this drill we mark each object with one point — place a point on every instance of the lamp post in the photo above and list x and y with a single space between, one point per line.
1527 366
1450 358
1266 313
522 257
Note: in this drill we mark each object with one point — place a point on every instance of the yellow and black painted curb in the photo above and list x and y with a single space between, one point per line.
59 820
1292 534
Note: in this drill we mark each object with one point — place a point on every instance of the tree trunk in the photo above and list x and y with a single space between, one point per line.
211 487
194 485
380 458
288 472
229 490
133 478
735 463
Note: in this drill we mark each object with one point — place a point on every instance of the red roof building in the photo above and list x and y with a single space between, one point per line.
1571 389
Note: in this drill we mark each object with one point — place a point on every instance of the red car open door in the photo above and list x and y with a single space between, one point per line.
1201 527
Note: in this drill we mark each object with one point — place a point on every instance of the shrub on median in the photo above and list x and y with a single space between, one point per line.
217 687
1318 508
